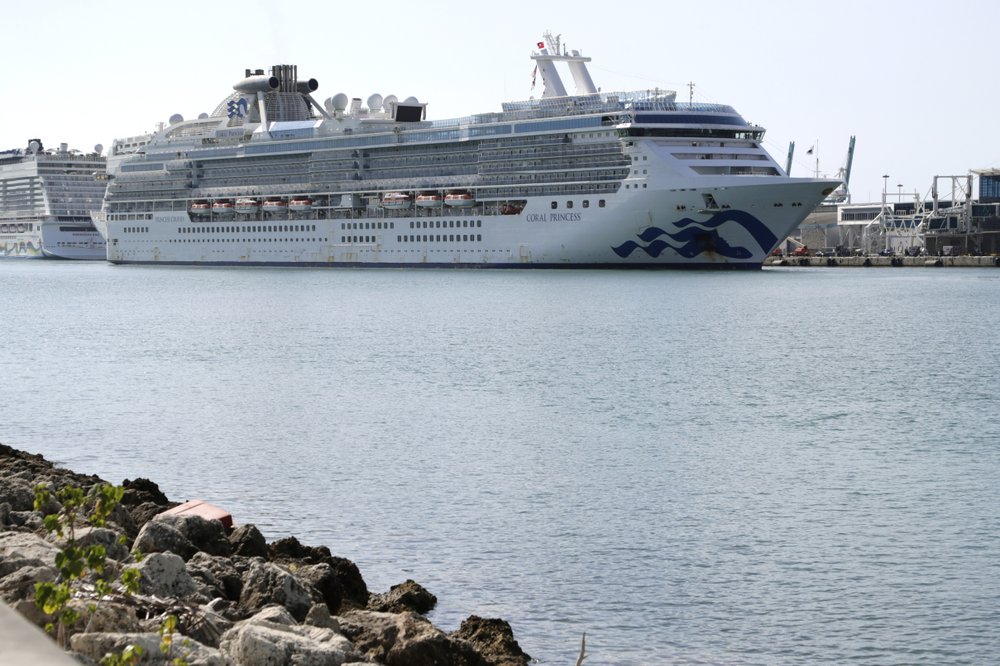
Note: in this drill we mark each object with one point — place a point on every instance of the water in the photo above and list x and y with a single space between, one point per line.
785 467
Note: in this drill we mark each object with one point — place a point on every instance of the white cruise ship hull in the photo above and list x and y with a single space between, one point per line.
23 245
597 179
644 229
54 240
61 240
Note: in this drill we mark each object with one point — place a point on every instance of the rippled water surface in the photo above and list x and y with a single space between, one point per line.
784 467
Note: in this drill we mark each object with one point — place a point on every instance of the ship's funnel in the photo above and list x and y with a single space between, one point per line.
306 87
257 83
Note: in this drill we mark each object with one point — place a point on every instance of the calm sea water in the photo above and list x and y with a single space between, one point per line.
785 467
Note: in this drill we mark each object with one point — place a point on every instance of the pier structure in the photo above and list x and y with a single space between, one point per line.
947 221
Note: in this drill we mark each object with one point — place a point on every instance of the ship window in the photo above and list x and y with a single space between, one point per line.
479 223
569 204
555 205
586 203
600 203
479 237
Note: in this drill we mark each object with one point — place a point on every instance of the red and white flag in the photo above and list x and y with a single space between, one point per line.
541 45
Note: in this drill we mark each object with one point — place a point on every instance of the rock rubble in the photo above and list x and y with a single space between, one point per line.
239 600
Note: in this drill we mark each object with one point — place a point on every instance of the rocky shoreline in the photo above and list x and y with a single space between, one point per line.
238 600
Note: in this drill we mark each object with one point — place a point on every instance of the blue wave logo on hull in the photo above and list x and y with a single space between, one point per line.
694 238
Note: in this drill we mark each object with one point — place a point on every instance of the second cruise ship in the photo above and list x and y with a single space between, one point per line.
46 201
591 179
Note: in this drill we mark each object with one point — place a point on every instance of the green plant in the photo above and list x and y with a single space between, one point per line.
73 561
77 563
129 657
167 641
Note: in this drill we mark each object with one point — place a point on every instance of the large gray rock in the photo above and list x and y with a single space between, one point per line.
160 537
493 639
246 540
258 642
164 575
20 584
353 590
408 596
405 639
142 490
27 547
208 536
267 583
325 580
23 549
88 536
218 574
17 492
97 644
102 616
319 616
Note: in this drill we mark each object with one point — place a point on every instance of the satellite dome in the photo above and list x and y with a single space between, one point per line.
411 100
375 102
176 118
202 116
34 145
340 101
98 149
389 100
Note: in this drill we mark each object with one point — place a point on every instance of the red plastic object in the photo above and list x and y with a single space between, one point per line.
203 509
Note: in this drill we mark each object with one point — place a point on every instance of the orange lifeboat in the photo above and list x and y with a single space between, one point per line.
396 200
459 199
275 206
223 207
247 206
429 200
300 204
201 208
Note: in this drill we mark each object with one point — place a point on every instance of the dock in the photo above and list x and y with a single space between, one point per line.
992 261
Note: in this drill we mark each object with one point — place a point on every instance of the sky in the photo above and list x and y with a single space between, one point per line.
909 79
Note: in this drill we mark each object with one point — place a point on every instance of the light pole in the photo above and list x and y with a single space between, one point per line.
899 196
885 208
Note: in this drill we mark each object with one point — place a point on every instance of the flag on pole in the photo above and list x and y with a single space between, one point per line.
541 45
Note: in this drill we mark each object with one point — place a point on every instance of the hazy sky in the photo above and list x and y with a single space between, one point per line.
909 78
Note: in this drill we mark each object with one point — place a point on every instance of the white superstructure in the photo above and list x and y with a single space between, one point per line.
628 179
46 201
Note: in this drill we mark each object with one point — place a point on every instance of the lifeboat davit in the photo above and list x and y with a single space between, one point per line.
300 204
247 206
201 208
429 200
459 199
223 207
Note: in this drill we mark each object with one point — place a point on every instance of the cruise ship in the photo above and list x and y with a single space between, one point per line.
46 201
591 179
